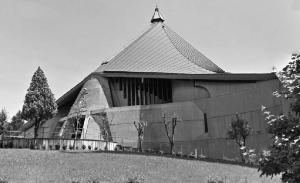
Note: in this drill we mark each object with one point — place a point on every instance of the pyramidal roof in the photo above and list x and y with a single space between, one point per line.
160 50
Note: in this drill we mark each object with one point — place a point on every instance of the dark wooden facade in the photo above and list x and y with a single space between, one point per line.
140 91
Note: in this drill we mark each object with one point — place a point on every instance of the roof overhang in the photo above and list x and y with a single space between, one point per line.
214 77
204 77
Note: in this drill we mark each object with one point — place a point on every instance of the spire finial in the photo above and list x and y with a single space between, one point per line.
157 17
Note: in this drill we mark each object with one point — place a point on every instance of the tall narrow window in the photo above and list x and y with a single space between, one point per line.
121 84
125 88
205 123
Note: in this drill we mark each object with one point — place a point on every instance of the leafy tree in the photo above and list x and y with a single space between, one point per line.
39 104
3 120
239 130
79 107
16 121
283 156
170 129
140 127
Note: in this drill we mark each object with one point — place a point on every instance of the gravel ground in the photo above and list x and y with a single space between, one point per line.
24 165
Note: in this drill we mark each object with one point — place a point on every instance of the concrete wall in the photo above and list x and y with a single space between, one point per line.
91 129
191 99
95 97
219 100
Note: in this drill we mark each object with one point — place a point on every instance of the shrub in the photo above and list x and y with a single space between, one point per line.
3 180
43 147
76 147
71 147
10 144
57 146
50 147
96 148
118 148
135 180
213 181
90 147
283 155
239 131
31 146
83 146
64 146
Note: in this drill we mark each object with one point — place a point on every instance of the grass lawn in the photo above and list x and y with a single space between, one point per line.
24 165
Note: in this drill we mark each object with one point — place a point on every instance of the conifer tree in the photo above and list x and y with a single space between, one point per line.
3 120
17 121
39 104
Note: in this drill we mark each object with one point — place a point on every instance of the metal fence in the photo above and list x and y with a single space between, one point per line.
57 144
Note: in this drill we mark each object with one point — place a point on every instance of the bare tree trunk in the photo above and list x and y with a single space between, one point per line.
36 128
171 147
140 144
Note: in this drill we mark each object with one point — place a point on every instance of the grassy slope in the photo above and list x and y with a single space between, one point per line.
23 165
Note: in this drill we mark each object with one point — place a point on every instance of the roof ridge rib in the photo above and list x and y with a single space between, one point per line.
218 70
163 27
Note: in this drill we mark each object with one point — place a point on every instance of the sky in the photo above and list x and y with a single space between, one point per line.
69 39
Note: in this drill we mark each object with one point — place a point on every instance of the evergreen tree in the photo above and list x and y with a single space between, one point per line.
283 156
39 104
17 121
3 120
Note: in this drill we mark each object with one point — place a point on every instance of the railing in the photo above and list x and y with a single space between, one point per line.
58 144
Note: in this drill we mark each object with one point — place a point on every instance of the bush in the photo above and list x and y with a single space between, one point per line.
50 147
71 147
64 146
10 144
135 180
96 148
31 146
57 146
283 155
83 146
90 147
76 147
43 147
118 148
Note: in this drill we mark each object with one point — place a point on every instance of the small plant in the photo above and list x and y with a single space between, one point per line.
96 148
90 147
71 147
50 147
20 147
3 180
239 131
31 146
43 147
57 146
76 147
64 146
215 181
136 179
10 144
83 146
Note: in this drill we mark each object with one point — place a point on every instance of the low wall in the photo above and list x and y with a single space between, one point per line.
49 143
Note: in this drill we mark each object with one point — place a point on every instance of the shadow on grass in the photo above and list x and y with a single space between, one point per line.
210 160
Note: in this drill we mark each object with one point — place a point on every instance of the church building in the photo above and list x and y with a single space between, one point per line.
161 75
